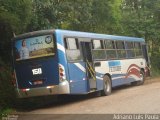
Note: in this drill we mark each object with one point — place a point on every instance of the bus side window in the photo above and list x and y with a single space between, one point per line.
72 49
110 49
98 50
130 49
120 49
65 43
138 49
97 44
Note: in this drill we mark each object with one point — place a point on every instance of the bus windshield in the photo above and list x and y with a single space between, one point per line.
34 47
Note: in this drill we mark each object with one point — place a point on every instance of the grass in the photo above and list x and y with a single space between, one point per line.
155 72
5 112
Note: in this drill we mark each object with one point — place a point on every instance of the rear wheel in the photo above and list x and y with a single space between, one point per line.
107 86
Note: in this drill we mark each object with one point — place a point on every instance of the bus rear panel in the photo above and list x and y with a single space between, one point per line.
36 66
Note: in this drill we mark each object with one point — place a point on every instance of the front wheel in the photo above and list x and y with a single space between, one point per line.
107 86
142 79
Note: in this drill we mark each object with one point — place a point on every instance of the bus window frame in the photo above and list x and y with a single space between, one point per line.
78 48
31 36
114 49
102 48
121 49
140 45
128 49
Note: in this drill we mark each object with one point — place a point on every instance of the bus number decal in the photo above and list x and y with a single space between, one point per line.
37 71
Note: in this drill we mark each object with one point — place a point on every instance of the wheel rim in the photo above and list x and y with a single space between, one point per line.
107 85
141 77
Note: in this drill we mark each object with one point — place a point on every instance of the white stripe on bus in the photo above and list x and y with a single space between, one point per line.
80 67
99 78
114 78
60 47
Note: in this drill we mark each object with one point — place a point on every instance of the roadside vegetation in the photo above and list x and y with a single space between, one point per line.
7 94
139 18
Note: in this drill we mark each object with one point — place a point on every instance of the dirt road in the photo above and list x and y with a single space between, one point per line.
127 99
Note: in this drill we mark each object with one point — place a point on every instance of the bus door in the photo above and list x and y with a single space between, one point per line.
145 54
87 58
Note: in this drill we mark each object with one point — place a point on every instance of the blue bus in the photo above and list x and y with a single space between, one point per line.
54 62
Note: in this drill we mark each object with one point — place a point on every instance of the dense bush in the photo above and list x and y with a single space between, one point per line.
155 60
7 93
155 64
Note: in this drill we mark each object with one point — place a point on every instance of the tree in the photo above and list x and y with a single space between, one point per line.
14 17
83 15
64 14
106 16
141 18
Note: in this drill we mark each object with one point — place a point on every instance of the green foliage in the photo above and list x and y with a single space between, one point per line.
138 18
16 13
5 112
155 72
82 15
106 16
60 14
14 18
141 18
7 93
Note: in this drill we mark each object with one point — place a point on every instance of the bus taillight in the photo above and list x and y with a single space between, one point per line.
25 90
62 76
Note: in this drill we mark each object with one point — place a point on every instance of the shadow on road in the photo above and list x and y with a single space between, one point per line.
29 104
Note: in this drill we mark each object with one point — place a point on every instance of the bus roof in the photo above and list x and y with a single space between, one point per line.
34 33
97 36
79 34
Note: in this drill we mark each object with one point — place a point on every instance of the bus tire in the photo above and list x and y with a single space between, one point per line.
142 79
107 86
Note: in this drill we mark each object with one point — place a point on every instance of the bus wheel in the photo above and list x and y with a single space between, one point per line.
107 86
142 79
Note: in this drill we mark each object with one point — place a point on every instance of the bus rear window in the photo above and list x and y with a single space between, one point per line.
34 47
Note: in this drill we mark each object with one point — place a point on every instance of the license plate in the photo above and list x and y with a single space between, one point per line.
38 82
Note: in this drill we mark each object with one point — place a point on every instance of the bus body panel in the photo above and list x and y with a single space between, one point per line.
118 77
48 76
32 82
121 71
62 60
99 81
74 75
75 80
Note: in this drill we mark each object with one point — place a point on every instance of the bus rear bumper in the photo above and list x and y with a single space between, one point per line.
62 88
